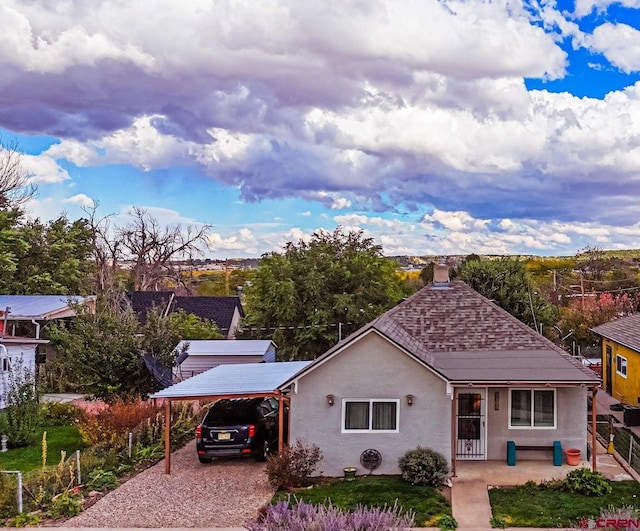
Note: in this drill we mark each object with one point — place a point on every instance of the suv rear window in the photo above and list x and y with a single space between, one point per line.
231 413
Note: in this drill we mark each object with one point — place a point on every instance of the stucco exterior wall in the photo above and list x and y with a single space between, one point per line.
571 425
626 390
371 368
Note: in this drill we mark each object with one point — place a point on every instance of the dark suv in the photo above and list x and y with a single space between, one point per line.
237 427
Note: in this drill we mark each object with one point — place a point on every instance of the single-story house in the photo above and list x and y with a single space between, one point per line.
445 369
226 312
198 355
621 358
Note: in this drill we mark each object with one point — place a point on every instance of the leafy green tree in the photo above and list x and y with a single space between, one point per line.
426 275
507 283
299 297
13 245
55 258
102 353
190 326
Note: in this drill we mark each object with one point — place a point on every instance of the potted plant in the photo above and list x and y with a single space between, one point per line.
573 456
349 473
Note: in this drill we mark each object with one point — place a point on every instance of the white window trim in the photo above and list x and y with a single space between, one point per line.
531 390
5 361
371 401
626 366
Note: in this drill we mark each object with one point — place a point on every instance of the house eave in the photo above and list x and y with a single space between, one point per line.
525 383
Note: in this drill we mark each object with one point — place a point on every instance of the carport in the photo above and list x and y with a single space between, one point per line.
245 380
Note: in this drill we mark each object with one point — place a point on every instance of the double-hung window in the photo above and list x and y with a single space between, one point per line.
621 365
532 408
370 415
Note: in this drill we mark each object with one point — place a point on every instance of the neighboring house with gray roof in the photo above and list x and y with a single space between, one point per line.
621 358
225 312
198 355
445 369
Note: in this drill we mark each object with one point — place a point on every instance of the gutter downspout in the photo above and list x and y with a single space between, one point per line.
6 320
37 325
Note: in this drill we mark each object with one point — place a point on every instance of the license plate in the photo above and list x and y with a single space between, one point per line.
224 436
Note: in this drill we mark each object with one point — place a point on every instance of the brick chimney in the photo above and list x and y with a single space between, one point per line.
440 274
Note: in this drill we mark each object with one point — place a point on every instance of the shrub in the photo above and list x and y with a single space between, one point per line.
112 424
65 505
424 466
586 482
284 516
58 414
447 523
498 521
294 466
101 480
25 520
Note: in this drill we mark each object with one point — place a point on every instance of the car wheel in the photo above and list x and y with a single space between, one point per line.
204 459
265 452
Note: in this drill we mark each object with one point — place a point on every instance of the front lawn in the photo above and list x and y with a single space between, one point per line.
376 491
59 438
535 506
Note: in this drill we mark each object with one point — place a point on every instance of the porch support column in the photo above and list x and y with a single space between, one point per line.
167 437
594 434
454 424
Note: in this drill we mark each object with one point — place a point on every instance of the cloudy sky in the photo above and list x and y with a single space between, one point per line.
437 127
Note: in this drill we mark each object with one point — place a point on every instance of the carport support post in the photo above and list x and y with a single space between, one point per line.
167 437
281 423
594 434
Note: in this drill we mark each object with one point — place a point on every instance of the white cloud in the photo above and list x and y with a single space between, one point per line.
584 7
619 43
44 169
81 200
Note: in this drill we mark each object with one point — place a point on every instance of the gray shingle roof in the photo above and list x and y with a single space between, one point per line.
625 330
467 338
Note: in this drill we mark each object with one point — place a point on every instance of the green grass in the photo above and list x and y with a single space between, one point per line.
30 458
532 506
376 491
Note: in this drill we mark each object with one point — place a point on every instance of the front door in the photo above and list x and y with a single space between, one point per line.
470 420
609 386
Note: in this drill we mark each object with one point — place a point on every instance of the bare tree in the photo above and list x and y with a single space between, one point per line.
15 188
106 248
154 250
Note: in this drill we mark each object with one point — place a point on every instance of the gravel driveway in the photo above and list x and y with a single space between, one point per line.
226 493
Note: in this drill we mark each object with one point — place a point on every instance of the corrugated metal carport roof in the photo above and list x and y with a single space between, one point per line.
236 379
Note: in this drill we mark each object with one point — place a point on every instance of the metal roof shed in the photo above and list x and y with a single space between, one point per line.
230 381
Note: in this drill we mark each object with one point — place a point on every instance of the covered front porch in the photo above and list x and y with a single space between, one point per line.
470 490
533 416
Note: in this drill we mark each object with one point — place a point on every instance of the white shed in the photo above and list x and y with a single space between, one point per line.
204 354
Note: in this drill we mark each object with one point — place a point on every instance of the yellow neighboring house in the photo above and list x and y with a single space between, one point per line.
621 358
